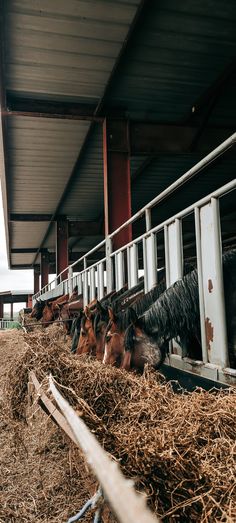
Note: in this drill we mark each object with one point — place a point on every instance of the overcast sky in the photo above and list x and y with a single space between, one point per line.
11 280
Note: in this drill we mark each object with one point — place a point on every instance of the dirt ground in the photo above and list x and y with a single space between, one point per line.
38 481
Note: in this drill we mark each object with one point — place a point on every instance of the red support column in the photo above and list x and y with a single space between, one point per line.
11 313
117 185
44 268
1 310
62 258
36 278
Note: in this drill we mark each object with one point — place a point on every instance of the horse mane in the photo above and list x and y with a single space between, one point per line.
125 317
176 311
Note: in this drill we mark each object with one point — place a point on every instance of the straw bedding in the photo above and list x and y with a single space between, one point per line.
179 448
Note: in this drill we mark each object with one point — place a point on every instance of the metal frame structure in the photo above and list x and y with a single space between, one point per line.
110 272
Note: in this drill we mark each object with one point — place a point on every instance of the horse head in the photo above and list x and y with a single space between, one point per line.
87 339
114 340
48 315
140 347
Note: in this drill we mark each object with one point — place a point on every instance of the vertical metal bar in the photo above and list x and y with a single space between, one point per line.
85 284
167 255
148 219
119 269
85 288
151 260
70 280
100 281
133 256
145 266
213 288
92 294
174 263
80 283
200 284
109 268
176 250
128 267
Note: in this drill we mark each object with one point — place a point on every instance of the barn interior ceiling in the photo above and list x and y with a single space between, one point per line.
167 68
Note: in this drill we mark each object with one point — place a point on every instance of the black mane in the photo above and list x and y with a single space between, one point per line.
176 312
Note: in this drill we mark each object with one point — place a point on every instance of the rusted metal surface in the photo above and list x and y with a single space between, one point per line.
44 268
62 247
117 186
209 333
210 285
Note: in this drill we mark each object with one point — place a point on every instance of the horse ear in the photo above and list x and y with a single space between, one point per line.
133 316
111 314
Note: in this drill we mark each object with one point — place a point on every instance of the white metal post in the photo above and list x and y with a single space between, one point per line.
70 280
100 274
213 288
119 270
92 288
109 269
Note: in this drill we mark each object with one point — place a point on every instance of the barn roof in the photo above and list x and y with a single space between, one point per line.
67 65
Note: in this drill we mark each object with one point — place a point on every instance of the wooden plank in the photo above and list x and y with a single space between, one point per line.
127 505
51 410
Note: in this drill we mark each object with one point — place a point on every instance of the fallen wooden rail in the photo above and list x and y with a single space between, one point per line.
127 505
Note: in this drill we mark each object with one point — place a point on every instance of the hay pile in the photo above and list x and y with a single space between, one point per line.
179 448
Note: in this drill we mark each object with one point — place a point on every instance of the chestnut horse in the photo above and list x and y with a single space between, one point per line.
114 353
94 320
51 311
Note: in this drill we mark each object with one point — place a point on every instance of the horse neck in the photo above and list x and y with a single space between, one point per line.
175 311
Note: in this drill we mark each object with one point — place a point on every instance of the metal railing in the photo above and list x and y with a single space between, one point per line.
62 285
6 324
110 272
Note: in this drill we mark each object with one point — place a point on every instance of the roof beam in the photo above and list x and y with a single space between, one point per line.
100 106
19 217
46 109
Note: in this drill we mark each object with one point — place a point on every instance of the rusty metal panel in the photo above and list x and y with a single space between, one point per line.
213 289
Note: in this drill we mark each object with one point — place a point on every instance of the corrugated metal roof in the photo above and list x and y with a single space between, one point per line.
179 51
64 49
85 199
42 153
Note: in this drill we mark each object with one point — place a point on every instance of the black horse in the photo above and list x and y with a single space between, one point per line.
37 311
176 315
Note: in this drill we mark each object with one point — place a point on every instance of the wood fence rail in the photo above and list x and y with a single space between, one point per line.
127 505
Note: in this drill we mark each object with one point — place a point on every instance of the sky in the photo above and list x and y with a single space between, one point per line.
11 280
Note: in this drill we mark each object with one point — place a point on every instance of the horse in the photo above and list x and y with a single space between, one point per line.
37 311
94 321
114 353
69 312
52 308
93 325
175 314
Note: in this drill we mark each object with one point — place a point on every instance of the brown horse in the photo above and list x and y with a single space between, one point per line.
92 331
175 314
114 353
52 308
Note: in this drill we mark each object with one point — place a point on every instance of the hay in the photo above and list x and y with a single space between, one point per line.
179 448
